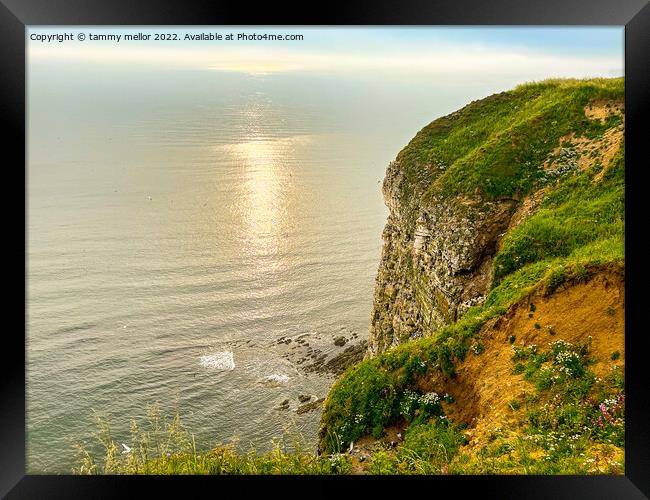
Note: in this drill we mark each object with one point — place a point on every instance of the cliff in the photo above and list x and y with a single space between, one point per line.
498 319
465 181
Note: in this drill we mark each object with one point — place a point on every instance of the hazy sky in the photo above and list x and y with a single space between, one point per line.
445 53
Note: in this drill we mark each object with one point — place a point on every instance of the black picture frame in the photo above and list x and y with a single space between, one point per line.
16 15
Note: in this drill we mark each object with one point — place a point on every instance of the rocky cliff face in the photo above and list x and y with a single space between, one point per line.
432 270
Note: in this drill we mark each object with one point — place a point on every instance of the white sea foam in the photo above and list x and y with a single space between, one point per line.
218 361
274 379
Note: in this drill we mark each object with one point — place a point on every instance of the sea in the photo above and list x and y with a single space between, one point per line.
196 240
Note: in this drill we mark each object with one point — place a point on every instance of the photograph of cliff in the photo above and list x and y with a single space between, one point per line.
325 250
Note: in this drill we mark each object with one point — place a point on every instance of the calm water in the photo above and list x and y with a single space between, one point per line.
180 223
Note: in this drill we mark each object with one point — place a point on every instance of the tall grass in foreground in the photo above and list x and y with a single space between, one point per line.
164 446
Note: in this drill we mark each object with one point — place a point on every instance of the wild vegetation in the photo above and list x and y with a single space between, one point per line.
163 446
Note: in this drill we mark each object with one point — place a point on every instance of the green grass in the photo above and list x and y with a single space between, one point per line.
494 147
164 446
428 448
578 220
578 404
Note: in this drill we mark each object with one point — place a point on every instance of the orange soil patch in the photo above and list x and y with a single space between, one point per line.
485 384
603 149
601 109
590 151
611 143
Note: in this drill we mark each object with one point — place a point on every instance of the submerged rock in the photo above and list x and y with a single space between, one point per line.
310 406
340 341
340 362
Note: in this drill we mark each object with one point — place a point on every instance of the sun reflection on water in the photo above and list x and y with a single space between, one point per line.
264 203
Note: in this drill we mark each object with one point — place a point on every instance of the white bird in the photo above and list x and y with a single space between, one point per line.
351 446
126 448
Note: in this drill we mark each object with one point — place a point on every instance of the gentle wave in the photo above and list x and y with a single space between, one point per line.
218 361
275 379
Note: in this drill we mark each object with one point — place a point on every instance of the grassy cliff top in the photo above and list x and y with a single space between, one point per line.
495 147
